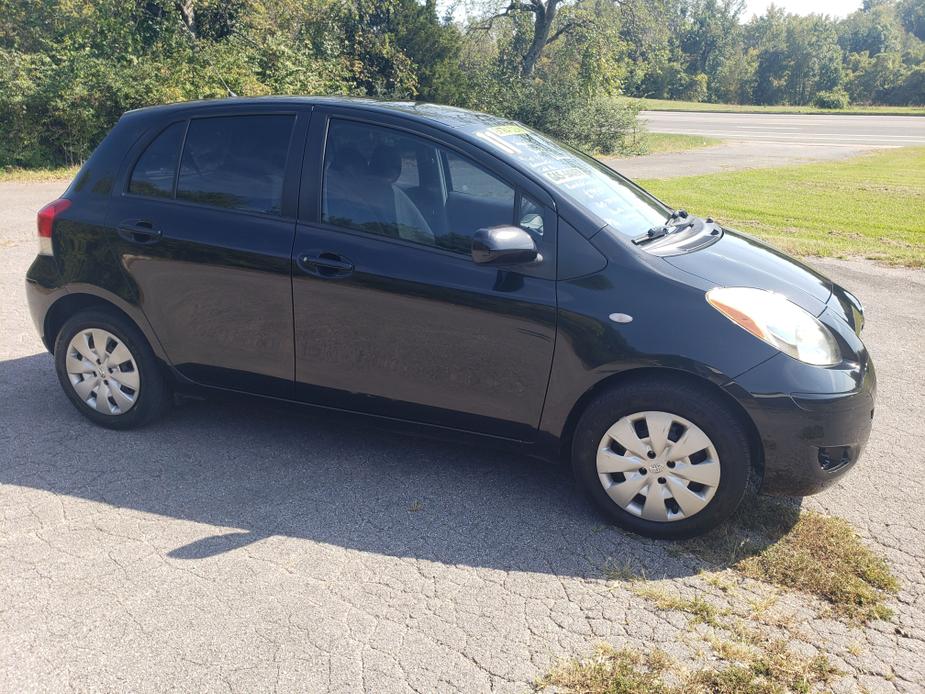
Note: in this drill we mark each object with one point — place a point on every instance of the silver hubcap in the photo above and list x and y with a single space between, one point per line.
102 371
658 466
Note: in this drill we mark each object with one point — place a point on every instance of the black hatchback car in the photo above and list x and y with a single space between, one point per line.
432 265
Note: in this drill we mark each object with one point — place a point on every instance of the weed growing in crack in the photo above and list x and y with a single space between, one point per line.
768 668
701 611
806 551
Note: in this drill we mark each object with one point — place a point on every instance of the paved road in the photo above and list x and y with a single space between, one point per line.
237 547
752 140
849 131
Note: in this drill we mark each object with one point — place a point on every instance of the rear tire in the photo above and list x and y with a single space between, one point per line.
108 370
639 482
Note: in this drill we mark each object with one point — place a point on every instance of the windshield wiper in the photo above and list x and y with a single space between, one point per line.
677 214
652 234
663 230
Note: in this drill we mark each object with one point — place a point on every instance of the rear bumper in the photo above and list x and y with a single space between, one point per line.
42 291
809 439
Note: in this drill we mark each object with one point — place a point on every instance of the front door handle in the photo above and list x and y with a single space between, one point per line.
139 231
325 264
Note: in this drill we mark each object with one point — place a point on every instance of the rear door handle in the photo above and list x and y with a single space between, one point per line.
139 231
325 264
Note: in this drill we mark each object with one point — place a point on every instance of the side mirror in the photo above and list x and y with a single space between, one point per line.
503 245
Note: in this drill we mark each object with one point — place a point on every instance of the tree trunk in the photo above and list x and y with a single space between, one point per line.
188 14
542 24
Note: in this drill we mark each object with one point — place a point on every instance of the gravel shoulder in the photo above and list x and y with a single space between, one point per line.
241 546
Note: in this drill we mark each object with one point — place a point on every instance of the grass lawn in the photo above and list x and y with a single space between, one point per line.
17 175
659 143
870 206
667 105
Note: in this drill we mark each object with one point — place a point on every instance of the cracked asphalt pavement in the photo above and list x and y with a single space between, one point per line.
238 546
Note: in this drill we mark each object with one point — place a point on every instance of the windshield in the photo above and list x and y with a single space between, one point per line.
622 205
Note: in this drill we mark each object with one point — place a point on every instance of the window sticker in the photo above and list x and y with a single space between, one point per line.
566 175
509 129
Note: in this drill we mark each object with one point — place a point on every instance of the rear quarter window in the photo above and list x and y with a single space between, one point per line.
156 168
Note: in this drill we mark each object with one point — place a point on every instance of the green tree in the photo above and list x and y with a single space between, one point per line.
912 14
711 35
768 35
432 46
814 60
874 30
875 79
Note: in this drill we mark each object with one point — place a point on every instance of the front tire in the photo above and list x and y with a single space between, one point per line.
661 459
108 370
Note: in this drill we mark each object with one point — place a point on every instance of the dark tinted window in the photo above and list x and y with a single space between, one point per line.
155 170
387 182
409 178
372 184
236 162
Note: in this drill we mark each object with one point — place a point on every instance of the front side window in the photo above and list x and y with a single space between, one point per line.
465 178
236 162
156 168
373 183
386 182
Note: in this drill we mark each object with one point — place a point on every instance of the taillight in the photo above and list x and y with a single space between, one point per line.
46 222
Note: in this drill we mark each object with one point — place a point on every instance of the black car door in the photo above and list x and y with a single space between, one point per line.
392 316
203 225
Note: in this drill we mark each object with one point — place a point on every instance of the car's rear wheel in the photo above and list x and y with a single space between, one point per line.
667 460
108 370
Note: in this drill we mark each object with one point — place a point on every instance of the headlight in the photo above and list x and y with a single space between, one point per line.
777 321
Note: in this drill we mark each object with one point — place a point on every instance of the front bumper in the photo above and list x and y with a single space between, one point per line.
813 422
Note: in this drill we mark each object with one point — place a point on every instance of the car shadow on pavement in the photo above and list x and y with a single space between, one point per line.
256 470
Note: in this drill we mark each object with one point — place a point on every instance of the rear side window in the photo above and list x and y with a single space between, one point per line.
236 162
156 168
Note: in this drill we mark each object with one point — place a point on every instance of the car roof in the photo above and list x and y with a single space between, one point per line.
459 119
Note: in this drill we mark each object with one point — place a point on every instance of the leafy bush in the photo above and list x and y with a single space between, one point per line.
595 124
69 70
912 90
696 88
834 99
607 125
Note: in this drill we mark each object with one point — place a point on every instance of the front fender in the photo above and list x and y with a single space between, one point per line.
673 328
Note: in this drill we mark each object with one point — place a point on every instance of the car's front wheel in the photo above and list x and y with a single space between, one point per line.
108 370
667 460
